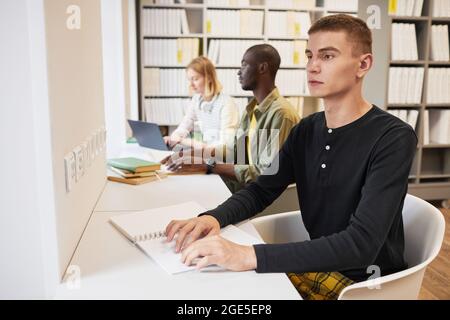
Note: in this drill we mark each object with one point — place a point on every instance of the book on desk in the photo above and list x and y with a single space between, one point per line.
134 171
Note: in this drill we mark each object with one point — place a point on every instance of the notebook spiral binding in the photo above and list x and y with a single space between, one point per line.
149 236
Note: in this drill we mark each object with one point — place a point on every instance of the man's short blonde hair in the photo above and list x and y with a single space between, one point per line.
356 29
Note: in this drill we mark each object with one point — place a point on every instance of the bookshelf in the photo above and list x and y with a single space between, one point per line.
430 172
214 23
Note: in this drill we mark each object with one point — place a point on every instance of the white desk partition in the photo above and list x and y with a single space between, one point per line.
106 265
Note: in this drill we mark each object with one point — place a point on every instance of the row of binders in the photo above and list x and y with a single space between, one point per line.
170 52
230 82
341 5
404 42
288 24
405 85
168 112
164 82
166 2
330 5
441 8
292 53
292 82
237 23
440 43
436 124
164 22
410 8
438 85
242 23
436 127
230 52
242 3
408 116
294 4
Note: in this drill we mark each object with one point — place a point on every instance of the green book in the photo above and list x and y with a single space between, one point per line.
134 164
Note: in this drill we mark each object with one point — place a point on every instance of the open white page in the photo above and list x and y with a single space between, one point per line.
138 226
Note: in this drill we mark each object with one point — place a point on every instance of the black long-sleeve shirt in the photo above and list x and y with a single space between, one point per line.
351 184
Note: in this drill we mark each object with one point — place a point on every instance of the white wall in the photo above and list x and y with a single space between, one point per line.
76 99
28 246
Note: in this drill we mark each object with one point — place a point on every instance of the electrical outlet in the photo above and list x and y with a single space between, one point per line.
79 162
70 170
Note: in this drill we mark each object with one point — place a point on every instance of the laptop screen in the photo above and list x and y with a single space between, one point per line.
147 134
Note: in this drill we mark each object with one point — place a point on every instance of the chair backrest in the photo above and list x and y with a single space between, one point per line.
424 228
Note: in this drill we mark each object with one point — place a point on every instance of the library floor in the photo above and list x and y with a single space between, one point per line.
436 282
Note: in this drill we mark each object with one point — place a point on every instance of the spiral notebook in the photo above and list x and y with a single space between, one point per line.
146 230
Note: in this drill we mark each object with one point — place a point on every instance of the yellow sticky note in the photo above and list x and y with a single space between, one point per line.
296 57
179 56
297 29
393 7
208 26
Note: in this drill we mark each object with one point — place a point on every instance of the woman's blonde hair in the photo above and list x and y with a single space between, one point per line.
204 66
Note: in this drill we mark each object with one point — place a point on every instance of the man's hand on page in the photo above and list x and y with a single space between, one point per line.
222 252
191 229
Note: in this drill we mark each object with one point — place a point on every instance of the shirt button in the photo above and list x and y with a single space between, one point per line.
330 130
324 165
327 147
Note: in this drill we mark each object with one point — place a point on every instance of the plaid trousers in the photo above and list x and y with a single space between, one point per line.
319 285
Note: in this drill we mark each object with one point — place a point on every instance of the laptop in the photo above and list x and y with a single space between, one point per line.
148 135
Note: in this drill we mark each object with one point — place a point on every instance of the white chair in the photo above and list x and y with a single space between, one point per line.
424 228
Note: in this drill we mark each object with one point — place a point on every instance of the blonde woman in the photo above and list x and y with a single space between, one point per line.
215 112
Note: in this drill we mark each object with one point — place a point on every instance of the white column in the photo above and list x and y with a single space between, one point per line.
113 76
28 245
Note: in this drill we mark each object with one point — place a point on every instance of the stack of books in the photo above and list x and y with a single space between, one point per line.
133 171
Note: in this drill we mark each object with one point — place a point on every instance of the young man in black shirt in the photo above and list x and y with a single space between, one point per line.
351 165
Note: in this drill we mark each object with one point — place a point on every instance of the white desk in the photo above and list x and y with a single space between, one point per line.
207 190
112 268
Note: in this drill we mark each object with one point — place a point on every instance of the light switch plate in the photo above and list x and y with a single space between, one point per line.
79 162
70 170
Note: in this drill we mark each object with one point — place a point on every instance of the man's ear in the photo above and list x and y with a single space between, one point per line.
263 67
365 63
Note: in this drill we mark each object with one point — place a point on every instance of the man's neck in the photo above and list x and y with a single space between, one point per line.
340 111
262 91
